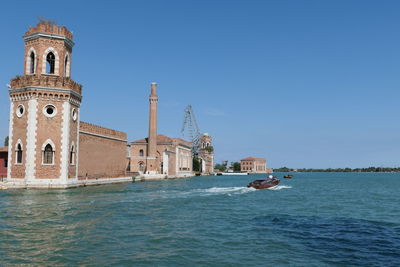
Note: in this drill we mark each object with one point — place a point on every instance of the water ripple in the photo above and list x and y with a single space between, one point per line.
348 241
311 220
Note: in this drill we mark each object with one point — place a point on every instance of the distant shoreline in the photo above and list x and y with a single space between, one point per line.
368 170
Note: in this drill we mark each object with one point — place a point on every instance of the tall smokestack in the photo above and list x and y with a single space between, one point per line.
152 141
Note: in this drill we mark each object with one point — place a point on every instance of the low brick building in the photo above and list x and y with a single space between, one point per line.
173 157
3 162
102 152
254 165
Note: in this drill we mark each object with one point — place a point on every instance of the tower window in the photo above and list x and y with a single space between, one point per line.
66 74
32 66
48 154
141 153
19 154
72 156
50 111
20 111
74 114
50 63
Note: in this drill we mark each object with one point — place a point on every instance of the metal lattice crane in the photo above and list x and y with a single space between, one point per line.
191 130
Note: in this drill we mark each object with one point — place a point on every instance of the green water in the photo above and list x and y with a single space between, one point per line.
314 219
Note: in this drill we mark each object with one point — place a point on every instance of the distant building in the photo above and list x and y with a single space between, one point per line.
254 165
3 162
206 154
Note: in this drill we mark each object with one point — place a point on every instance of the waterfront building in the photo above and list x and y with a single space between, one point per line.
49 146
254 165
160 156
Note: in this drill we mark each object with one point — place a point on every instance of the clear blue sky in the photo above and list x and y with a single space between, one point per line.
302 83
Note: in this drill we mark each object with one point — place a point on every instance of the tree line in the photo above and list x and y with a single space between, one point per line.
369 169
234 166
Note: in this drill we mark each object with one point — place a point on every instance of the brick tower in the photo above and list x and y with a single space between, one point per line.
44 112
152 141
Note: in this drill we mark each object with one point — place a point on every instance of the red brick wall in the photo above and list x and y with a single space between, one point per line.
73 139
3 170
48 128
101 157
20 126
136 158
92 128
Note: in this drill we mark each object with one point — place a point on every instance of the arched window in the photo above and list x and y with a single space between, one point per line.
72 155
50 63
66 65
141 153
32 66
19 154
48 154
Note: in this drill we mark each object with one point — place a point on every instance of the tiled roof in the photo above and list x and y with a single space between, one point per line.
4 149
163 139
253 158
144 140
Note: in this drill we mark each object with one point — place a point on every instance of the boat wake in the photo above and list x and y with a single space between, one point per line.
206 192
279 187
223 190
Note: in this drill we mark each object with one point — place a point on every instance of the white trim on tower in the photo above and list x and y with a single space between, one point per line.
30 161
28 62
10 140
77 144
65 131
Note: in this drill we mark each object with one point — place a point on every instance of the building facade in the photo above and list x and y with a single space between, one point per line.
254 165
173 158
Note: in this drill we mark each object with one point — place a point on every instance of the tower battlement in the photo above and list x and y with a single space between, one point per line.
55 82
49 28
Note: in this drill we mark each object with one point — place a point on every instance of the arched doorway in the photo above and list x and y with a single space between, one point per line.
141 167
